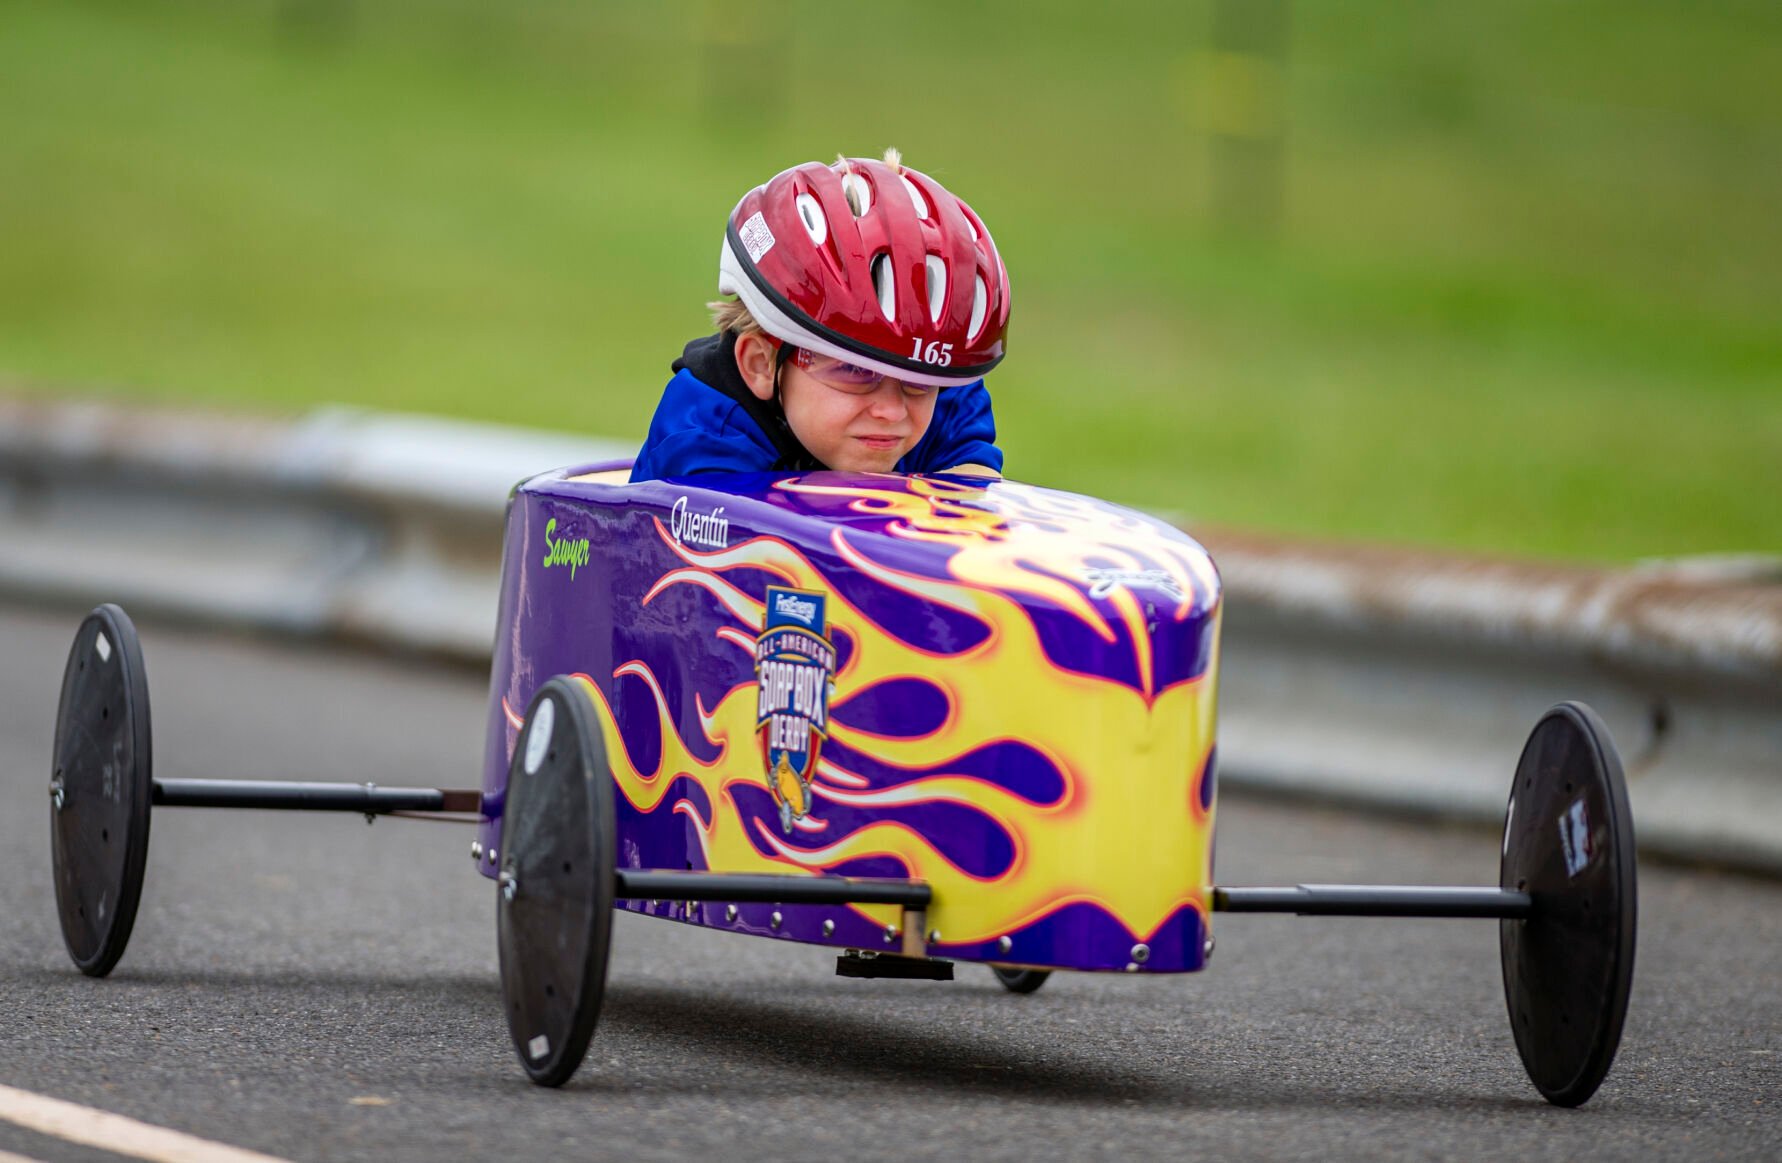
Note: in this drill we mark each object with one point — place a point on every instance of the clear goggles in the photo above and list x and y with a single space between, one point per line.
848 377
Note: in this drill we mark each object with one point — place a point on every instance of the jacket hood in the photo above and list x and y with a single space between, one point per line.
712 360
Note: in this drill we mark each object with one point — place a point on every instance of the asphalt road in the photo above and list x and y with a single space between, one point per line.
316 989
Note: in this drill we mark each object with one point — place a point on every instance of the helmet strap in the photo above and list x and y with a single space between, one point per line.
770 413
781 357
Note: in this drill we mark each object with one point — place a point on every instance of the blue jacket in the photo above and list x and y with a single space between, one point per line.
709 421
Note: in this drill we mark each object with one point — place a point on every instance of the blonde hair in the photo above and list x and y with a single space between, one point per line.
893 158
731 315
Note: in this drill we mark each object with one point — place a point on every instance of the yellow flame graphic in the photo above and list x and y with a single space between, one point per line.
1010 538
1127 834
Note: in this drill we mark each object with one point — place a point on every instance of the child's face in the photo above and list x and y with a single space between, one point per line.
851 419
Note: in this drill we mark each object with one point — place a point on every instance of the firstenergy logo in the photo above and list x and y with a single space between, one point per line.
799 609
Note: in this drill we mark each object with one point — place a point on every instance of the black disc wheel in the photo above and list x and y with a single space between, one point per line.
1569 843
554 908
1020 980
101 788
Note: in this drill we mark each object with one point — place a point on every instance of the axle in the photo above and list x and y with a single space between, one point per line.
311 797
1327 900
1371 900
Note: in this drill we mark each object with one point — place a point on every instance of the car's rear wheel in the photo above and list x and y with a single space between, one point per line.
1569 844
1020 980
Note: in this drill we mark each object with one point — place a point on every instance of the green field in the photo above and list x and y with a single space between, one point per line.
1524 294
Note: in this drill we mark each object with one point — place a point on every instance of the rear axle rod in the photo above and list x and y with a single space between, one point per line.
311 797
1382 900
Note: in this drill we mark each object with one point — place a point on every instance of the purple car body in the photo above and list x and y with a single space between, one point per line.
1005 691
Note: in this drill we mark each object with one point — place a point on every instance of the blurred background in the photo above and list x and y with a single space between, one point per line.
1501 276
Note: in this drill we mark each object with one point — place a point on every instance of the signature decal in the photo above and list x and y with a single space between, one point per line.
1103 582
711 530
565 551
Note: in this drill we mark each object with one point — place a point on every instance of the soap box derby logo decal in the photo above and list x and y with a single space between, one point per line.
794 668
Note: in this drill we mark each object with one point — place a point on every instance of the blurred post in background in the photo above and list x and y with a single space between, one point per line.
743 62
1240 100
317 24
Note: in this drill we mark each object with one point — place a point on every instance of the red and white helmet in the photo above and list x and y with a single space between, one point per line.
908 284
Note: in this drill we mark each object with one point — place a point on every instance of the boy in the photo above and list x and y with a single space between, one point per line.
869 304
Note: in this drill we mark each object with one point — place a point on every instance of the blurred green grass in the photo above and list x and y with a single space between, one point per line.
1523 295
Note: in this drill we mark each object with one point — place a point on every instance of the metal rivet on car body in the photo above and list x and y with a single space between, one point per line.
1132 967
1207 950
730 912
829 928
476 850
1141 953
934 936
890 933
1004 944
57 796
775 920
490 855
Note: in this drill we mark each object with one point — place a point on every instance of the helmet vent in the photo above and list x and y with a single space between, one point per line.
979 306
810 212
937 286
858 192
882 283
915 196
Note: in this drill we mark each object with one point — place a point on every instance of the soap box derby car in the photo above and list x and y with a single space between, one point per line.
922 719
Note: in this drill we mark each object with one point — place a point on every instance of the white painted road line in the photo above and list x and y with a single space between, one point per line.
73 1123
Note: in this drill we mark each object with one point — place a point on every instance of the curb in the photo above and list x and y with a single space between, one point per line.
1407 680
1400 679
